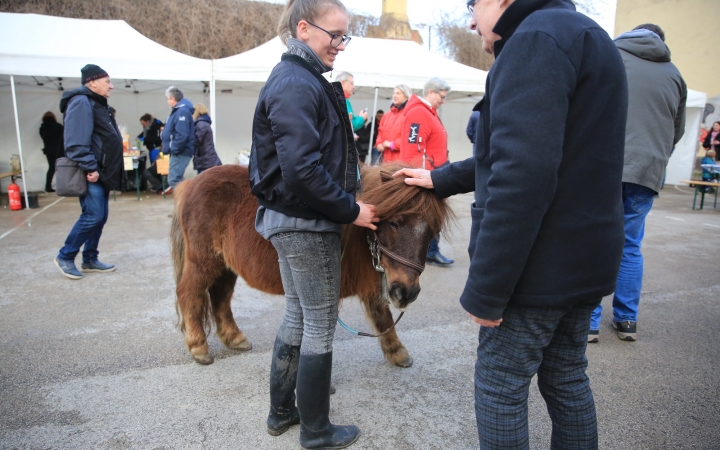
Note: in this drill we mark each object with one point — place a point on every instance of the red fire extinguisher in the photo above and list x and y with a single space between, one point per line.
14 197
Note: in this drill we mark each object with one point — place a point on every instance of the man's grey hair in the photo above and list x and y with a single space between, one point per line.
435 85
343 76
404 89
175 93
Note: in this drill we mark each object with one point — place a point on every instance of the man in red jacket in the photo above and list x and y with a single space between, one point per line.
424 141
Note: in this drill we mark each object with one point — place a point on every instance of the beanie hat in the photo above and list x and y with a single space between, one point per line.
92 72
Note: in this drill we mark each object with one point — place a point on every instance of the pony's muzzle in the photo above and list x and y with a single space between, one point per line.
402 295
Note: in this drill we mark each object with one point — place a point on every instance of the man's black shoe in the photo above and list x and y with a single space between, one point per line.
439 260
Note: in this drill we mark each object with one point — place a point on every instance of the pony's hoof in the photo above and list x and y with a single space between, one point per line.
244 346
205 359
405 363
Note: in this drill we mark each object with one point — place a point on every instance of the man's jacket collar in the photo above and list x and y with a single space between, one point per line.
513 16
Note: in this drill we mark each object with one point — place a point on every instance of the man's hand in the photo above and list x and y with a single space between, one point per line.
367 216
416 177
93 177
485 322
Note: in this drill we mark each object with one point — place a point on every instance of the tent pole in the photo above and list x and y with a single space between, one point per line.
212 99
372 125
17 131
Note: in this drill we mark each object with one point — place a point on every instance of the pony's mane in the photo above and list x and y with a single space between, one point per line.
392 196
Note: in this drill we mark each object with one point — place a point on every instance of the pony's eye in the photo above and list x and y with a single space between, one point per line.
394 225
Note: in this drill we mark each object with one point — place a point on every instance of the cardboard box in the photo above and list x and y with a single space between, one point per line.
163 166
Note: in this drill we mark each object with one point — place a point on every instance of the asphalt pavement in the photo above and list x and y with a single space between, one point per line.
99 364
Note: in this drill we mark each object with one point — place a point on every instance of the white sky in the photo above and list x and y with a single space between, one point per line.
427 12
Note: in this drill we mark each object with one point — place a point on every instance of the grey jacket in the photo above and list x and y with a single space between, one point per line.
656 109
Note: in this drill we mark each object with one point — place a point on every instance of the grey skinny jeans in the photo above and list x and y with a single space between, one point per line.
310 270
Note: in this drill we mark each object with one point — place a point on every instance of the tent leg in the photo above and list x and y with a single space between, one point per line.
17 131
372 125
212 103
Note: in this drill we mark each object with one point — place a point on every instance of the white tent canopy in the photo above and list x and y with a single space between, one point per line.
682 162
33 44
381 63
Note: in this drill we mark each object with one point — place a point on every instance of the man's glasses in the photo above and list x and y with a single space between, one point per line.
335 39
471 6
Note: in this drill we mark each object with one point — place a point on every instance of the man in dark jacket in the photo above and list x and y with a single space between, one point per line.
92 139
547 224
656 122
178 137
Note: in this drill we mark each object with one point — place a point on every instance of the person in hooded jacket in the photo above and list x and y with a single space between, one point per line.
656 122
205 155
389 133
178 136
92 139
547 222
304 173
51 133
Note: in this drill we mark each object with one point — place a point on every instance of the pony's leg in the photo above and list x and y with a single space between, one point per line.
381 318
193 303
220 296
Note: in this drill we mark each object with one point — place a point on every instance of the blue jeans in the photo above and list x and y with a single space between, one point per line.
637 201
551 343
310 271
374 155
434 247
88 228
178 164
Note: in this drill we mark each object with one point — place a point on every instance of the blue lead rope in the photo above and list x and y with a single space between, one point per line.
342 324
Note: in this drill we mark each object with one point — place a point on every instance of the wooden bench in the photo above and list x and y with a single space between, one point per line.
698 188
13 175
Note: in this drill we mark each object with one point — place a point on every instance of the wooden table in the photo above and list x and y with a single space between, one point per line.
698 185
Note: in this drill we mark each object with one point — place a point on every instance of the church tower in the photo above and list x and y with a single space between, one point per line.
397 9
394 23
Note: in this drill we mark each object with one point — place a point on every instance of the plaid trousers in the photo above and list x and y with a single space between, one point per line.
550 342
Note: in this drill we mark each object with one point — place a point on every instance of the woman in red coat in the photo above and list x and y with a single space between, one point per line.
424 142
389 133
424 139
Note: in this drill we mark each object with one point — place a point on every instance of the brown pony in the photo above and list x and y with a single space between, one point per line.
214 240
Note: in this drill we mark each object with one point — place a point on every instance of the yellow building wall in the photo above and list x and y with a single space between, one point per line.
692 32
397 8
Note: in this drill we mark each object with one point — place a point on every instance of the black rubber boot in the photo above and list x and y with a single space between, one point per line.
283 378
313 398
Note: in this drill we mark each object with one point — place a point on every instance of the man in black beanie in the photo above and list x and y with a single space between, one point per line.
92 139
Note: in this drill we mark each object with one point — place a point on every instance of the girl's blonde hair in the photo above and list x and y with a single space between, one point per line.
308 10
200 109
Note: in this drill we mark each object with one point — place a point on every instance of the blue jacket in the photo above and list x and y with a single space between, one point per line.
303 161
205 154
472 126
92 138
178 137
547 221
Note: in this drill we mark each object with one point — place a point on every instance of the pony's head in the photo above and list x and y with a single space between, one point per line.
409 218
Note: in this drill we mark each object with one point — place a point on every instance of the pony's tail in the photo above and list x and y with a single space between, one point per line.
177 248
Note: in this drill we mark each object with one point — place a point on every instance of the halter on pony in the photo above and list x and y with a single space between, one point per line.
376 250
